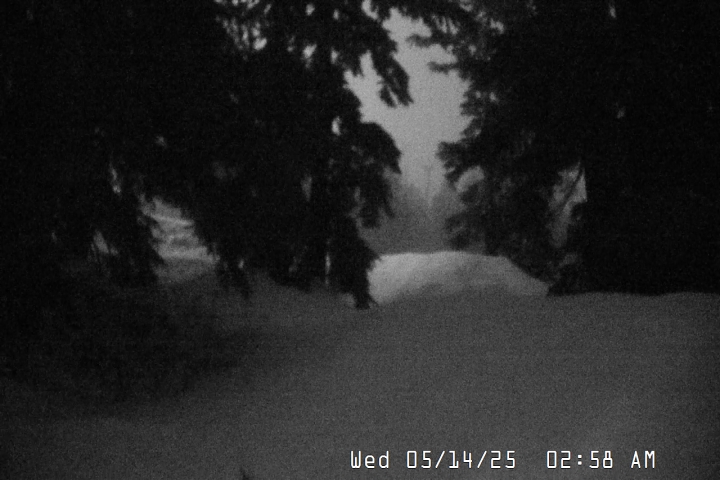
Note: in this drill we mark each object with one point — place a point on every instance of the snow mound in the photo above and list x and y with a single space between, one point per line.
394 277
446 273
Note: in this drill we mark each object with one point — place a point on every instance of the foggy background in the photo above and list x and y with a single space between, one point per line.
423 198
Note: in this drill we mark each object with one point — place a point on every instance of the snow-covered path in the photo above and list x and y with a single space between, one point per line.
464 372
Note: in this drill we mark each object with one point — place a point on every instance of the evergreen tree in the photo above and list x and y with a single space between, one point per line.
344 159
445 204
229 110
57 153
628 91
88 90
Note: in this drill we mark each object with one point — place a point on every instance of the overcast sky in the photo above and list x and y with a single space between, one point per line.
434 116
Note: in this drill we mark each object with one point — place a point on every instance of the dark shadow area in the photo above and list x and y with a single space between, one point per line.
106 347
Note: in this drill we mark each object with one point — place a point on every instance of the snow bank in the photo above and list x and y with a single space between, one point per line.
444 273
393 277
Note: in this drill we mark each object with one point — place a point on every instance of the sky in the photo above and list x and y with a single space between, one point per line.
434 115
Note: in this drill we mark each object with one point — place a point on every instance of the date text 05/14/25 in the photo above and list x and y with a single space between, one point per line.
497 459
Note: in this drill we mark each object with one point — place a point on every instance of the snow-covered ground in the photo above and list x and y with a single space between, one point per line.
393 277
463 354
443 273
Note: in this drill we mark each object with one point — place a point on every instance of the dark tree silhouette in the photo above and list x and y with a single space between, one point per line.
102 105
68 133
341 159
626 89
237 112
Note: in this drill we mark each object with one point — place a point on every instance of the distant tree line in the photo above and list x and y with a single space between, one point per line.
416 226
628 90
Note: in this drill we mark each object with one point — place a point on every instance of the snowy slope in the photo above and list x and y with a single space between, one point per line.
467 369
464 372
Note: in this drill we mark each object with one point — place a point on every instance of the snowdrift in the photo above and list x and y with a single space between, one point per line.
443 273
394 276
